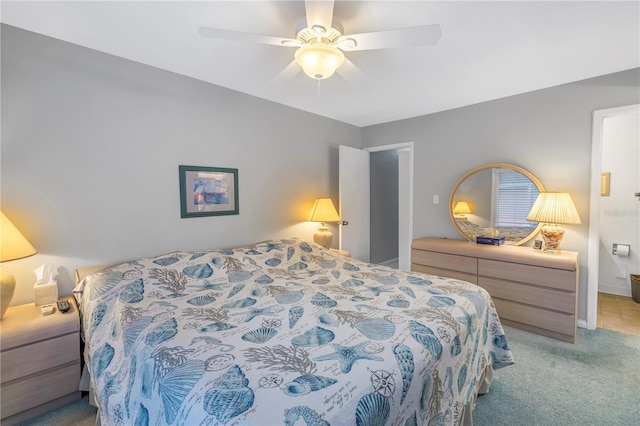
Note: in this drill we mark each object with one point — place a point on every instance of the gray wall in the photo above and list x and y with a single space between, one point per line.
547 132
91 145
384 206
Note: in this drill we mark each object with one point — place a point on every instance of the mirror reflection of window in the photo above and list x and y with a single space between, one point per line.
512 197
500 196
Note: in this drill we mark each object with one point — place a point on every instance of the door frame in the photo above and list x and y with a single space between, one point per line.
404 238
593 258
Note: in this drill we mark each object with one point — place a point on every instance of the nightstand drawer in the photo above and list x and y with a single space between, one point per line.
30 359
39 389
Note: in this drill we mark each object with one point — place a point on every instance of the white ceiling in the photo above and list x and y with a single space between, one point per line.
488 50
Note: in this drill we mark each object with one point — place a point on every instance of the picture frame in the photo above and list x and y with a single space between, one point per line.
208 191
537 244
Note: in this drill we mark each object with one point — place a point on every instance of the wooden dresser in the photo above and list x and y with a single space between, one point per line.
40 361
532 290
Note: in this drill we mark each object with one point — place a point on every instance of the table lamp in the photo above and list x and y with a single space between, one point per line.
461 209
323 211
553 209
13 246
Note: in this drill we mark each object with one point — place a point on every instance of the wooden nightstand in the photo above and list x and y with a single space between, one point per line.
340 252
39 361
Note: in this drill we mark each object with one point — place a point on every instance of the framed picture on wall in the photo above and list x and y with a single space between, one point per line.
208 191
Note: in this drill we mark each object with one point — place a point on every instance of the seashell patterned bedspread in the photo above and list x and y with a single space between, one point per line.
283 332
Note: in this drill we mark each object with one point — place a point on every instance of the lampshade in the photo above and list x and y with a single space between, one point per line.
461 207
14 244
319 60
324 211
554 207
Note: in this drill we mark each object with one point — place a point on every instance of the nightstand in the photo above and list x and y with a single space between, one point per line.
39 361
340 252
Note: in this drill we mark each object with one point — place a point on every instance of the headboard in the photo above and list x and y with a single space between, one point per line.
80 273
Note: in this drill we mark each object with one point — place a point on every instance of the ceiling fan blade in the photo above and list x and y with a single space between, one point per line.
287 73
247 37
350 71
426 35
319 12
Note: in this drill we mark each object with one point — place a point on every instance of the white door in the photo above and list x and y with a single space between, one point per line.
353 185
405 208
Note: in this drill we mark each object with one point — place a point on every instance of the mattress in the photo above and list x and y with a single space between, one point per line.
284 331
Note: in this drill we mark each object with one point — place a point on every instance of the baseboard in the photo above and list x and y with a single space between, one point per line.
392 263
610 289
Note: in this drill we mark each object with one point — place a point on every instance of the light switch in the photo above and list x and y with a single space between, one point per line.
436 199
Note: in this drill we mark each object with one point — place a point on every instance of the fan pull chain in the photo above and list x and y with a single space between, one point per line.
319 87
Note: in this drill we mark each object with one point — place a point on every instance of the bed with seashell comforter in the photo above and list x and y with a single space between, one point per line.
284 332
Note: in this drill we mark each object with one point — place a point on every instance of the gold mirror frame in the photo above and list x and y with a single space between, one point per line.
526 173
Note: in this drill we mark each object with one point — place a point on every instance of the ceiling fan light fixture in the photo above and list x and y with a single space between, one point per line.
319 29
319 60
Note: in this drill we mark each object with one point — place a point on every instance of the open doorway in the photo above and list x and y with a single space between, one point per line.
391 209
356 209
614 219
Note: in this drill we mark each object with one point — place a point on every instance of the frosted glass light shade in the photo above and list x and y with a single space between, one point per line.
319 60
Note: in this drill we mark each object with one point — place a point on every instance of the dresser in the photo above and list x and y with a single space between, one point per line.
532 290
39 361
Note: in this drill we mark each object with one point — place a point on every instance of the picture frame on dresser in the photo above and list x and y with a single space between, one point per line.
208 191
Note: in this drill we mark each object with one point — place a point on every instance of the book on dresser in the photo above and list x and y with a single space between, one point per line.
532 290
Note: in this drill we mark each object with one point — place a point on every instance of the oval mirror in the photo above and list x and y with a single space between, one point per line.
494 200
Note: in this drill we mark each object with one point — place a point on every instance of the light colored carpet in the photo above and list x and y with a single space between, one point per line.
594 382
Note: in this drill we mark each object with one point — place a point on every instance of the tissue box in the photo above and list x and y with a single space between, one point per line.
497 241
44 294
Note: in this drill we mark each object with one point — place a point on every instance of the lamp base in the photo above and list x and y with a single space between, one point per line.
7 287
552 236
323 237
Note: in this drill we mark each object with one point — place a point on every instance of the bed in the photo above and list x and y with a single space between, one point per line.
284 332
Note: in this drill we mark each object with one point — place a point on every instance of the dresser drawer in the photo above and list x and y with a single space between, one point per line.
453 262
536 275
445 273
21 395
537 317
529 294
25 360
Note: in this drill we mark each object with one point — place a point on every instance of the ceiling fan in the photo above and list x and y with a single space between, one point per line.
320 39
